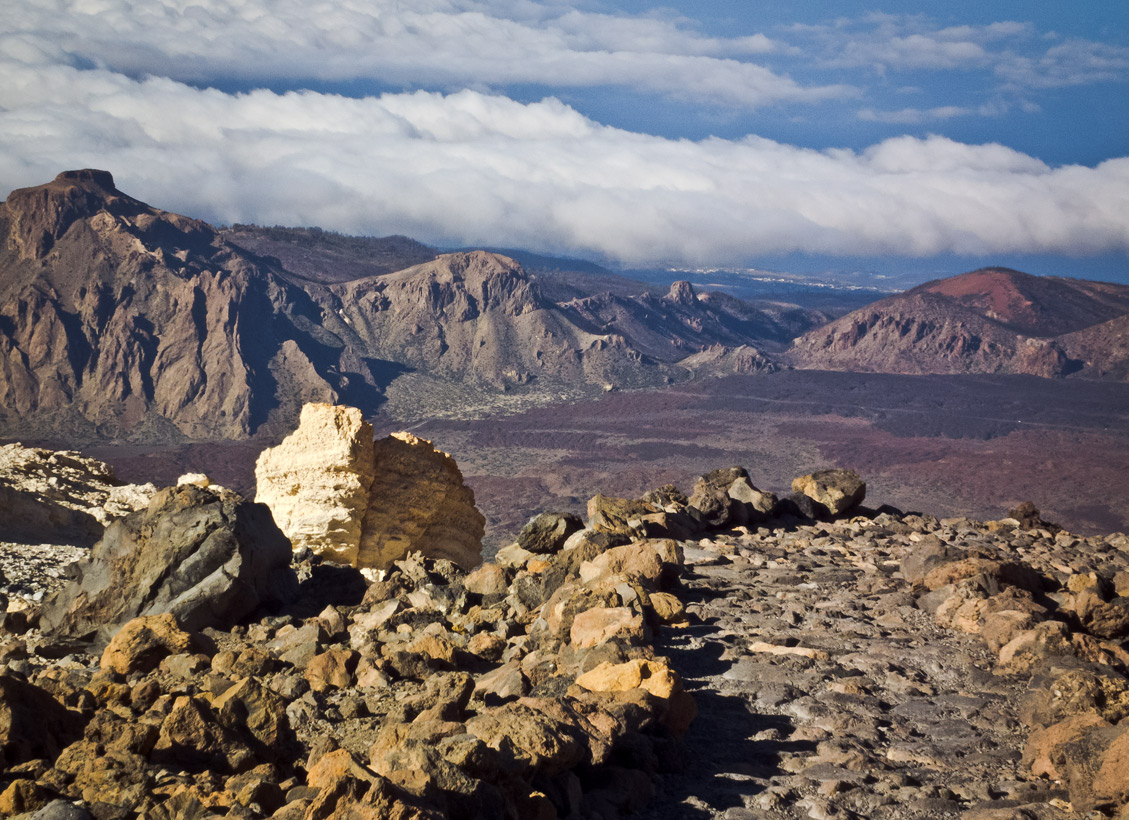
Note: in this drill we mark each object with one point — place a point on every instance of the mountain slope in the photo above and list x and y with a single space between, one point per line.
119 320
988 321
124 320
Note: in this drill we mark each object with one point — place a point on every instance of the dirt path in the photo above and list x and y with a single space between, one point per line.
825 693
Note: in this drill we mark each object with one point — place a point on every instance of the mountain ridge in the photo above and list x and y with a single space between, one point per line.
123 321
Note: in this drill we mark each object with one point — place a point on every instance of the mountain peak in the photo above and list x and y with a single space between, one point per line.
682 293
89 177
42 214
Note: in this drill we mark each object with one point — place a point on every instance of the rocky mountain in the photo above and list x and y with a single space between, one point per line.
119 320
993 320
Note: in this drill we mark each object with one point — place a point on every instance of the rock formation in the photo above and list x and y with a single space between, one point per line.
874 664
208 558
837 490
61 497
425 699
335 491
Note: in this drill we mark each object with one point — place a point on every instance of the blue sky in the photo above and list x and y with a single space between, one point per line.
815 136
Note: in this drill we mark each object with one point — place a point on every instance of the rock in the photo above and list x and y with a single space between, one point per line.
32 723
335 491
593 627
616 515
838 490
61 497
546 533
332 669
1046 748
1111 783
208 558
141 645
532 737
317 481
61 810
488 579
1047 639
726 498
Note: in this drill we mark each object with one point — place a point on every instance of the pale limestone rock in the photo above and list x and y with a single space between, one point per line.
317 481
334 490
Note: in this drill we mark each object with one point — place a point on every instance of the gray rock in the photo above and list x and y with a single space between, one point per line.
547 532
210 558
61 810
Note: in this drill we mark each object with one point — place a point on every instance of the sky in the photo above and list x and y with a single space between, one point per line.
816 136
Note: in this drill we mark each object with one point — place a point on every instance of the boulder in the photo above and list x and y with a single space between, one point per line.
143 643
335 491
546 533
32 723
317 481
208 558
726 498
616 515
838 490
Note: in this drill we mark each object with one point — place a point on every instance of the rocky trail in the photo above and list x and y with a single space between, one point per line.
824 691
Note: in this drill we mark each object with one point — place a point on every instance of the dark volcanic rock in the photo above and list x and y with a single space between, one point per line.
208 558
547 532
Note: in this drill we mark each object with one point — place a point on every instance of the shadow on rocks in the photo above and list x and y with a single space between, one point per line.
731 752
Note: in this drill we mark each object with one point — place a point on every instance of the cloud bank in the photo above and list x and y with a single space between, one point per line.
475 168
428 43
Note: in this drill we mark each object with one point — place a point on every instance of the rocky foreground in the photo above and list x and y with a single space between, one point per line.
727 654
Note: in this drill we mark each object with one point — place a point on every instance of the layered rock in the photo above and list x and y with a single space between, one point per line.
209 558
335 491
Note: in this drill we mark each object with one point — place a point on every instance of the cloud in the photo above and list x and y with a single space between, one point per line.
471 168
1013 51
423 43
914 116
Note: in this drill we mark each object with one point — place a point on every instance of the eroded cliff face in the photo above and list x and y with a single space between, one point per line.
121 320
335 491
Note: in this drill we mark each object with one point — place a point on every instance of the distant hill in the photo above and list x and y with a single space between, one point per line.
122 321
327 257
993 320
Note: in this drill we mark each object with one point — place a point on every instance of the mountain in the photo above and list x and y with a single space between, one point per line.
993 320
122 321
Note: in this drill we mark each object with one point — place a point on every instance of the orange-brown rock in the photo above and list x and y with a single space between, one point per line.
142 643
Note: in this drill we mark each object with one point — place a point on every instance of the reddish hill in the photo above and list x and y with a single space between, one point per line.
989 321
1033 305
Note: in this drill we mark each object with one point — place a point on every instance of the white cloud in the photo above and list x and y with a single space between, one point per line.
472 168
429 43
1015 51
914 116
